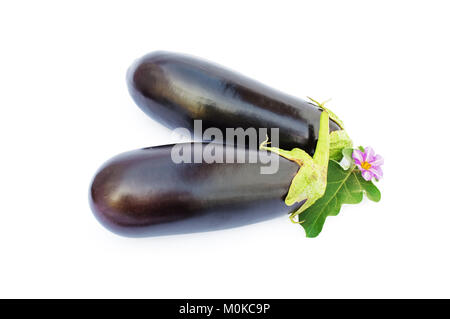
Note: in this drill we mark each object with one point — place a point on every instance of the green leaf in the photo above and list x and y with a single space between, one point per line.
343 187
371 191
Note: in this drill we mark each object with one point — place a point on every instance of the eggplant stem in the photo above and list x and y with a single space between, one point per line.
333 116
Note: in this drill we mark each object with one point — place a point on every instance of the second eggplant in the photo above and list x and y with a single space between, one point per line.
176 89
146 193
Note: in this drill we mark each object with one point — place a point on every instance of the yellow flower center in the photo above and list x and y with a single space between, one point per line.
366 165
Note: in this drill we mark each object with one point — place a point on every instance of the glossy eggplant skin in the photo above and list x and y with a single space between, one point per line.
177 89
144 193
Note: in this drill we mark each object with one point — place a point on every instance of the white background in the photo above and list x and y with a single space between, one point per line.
65 109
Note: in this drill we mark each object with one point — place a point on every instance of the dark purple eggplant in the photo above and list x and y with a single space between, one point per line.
144 193
177 89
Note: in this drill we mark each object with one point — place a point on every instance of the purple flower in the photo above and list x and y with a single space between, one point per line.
368 163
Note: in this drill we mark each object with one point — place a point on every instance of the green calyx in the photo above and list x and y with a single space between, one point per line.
327 180
310 183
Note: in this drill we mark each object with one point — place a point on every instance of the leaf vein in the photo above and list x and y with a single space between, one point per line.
332 197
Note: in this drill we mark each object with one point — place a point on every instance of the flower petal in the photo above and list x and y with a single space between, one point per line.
377 161
367 175
370 154
376 171
358 157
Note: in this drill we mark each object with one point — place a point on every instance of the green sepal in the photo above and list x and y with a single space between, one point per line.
311 180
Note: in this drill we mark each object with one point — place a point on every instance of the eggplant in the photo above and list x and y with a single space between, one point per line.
145 193
177 89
